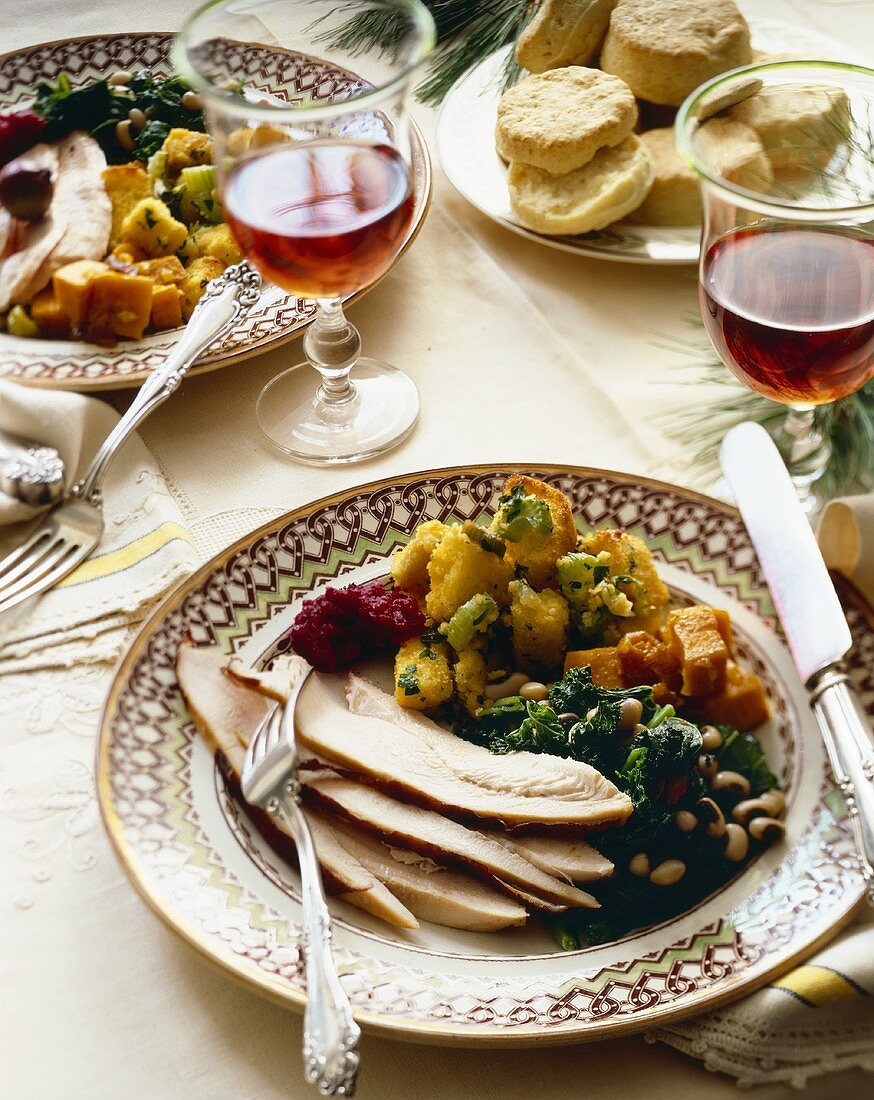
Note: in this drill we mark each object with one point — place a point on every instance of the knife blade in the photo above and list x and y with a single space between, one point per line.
812 617
803 593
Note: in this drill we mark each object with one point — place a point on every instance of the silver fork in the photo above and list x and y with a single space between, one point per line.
330 1034
73 528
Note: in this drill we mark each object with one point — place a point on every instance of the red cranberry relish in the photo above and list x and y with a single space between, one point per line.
336 628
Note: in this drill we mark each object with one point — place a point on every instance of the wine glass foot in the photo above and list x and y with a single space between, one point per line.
379 412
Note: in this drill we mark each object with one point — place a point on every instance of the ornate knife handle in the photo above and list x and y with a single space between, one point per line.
225 300
850 746
330 1034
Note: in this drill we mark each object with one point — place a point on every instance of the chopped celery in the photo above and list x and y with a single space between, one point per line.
578 573
476 615
156 165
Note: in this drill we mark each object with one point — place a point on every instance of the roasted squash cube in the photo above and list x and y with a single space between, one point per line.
50 319
646 659
166 307
72 287
741 703
152 227
423 678
165 269
604 663
119 305
196 278
126 185
697 643
127 253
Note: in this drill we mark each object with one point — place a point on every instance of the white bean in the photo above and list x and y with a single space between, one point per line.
737 843
535 691
685 821
639 865
668 873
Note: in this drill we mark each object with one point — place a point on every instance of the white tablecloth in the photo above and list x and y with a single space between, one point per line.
521 354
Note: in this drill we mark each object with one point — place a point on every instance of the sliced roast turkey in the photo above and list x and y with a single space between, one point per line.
420 762
573 860
443 839
427 889
226 715
391 883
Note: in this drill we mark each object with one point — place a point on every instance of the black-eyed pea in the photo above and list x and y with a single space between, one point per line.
767 830
707 765
737 843
535 691
630 713
744 812
509 685
668 873
685 821
639 865
775 801
120 78
568 719
731 783
124 134
711 817
711 738
191 101
137 118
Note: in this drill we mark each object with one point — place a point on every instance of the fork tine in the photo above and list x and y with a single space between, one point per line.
51 566
15 556
27 565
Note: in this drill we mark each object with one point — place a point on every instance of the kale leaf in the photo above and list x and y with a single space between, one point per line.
150 139
741 752
578 693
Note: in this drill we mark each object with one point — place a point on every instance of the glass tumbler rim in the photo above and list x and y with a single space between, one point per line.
420 19
768 205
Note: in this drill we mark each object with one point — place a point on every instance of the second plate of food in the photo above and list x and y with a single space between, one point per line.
71 80
467 154
524 838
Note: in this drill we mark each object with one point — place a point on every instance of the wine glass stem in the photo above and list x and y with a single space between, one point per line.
805 450
332 346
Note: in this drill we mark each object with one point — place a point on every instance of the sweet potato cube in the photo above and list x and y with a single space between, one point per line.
694 637
723 625
72 287
120 305
164 269
604 663
48 315
741 703
166 307
646 659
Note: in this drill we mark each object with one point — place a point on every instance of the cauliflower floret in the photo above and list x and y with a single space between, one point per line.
535 540
471 676
633 572
459 569
540 626
151 227
423 678
409 565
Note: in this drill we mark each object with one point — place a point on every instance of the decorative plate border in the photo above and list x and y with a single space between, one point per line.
785 918
67 364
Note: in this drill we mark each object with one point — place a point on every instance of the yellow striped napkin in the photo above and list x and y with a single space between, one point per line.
144 551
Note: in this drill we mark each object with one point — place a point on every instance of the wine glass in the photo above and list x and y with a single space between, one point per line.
305 101
784 153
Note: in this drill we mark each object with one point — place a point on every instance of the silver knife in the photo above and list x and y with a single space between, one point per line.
812 617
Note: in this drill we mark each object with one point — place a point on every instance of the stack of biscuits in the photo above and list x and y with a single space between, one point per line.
571 132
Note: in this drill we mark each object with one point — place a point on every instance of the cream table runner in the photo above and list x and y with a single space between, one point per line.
521 354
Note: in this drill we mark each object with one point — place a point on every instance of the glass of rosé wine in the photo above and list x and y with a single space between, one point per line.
784 153
306 104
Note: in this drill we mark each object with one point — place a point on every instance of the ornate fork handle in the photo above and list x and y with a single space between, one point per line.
225 301
330 1034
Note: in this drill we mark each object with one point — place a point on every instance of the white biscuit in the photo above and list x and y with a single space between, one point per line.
611 185
675 195
733 151
663 49
797 124
563 32
559 119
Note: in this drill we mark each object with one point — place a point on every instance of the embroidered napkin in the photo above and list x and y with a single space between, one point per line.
145 548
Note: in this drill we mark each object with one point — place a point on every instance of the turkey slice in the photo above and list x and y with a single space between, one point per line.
573 860
420 762
433 835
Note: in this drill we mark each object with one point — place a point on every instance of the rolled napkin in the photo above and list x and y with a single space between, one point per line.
846 538
145 547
